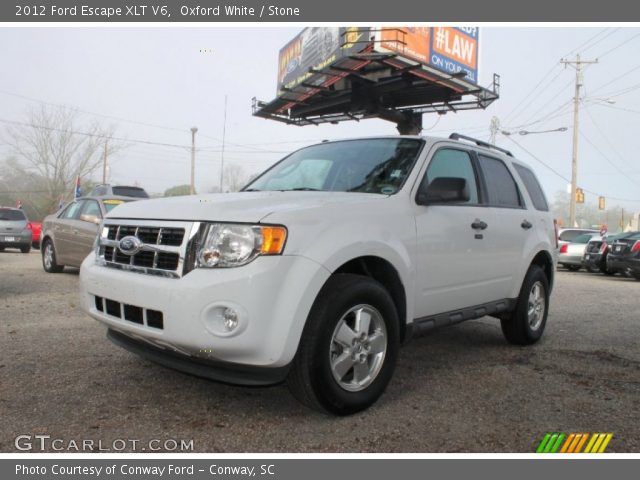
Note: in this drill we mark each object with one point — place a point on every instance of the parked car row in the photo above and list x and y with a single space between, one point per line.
68 235
608 254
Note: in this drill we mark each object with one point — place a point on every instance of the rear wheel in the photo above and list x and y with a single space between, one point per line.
25 249
574 268
1 249
527 322
49 258
349 346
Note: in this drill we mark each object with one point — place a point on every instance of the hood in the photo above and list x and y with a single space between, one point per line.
247 207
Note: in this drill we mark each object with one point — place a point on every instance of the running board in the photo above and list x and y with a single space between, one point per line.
426 324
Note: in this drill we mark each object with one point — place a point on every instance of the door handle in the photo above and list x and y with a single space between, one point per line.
526 224
479 225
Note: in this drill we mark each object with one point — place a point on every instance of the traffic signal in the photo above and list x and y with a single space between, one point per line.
579 195
601 203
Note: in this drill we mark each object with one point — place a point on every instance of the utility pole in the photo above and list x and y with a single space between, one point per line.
192 188
577 64
224 132
104 161
494 128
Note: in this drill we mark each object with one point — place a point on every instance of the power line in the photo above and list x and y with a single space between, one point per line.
628 72
78 109
558 174
617 46
548 73
624 174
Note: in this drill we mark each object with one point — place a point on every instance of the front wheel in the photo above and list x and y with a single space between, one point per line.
49 258
349 346
526 324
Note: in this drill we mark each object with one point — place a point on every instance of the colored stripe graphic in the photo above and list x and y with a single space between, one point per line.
551 443
558 442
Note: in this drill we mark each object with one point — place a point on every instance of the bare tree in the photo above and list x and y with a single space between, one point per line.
53 145
235 177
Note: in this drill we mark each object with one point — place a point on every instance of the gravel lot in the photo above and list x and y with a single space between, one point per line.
460 389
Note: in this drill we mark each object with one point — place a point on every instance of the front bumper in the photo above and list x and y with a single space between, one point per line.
213 370
272 296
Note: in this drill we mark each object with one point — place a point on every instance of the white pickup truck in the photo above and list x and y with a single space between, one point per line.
321 267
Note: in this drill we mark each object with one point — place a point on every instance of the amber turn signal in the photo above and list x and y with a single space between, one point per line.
273 239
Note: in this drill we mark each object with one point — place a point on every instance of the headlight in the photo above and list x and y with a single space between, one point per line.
232 245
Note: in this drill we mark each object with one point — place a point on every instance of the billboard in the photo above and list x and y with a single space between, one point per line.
448 49
410 42
455 49
317 48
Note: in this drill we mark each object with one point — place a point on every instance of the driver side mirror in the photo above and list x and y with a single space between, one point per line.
444 190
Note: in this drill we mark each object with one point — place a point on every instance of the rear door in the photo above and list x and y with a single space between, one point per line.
511 225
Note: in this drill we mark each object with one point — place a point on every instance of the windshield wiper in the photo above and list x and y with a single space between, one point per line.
302 189
251 190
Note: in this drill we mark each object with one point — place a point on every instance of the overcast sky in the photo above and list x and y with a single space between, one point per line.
178 78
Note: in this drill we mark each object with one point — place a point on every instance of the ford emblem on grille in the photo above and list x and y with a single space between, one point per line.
130 245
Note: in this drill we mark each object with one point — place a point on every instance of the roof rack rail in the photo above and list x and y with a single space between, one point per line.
480 143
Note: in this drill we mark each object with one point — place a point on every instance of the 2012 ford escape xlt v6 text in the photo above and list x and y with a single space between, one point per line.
320 268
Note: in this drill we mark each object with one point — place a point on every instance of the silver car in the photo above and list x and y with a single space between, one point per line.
68 235
14 230
571 253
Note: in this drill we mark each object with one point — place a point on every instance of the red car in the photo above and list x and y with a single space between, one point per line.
36 228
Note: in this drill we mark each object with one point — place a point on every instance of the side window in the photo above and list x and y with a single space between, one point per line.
533 187
72 211
501 187
91 207
448 162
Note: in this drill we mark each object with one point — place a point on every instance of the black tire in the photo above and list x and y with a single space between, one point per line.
1 249
311 379
25 249
518 328
591 269
50 266
574 268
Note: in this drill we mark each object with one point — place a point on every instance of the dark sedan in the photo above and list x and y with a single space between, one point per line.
597 252
624 256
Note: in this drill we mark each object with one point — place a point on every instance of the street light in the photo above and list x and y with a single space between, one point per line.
192 188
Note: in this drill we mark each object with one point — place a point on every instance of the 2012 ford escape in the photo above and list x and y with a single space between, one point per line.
321 267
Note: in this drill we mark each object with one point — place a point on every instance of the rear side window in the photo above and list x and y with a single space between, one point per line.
11 215
533 188
501 187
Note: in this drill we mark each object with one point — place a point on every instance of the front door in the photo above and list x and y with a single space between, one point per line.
454 247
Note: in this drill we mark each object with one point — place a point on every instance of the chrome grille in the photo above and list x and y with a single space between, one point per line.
163 246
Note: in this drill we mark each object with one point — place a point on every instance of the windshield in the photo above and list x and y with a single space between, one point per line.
130 192
111 204
379 165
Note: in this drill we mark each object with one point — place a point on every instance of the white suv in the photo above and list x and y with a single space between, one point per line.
321 267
